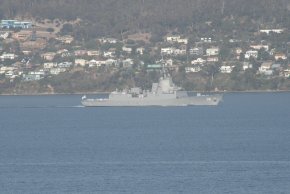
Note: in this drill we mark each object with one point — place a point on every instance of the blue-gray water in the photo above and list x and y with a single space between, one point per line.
50 144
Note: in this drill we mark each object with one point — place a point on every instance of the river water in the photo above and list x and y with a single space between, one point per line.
51 144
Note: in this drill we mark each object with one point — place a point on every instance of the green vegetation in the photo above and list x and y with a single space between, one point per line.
116 17
232 25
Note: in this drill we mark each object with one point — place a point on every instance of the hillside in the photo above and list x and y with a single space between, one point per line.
117 16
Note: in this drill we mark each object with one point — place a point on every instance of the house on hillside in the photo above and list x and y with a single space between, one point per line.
49 65
212 59
96 63
268 31
4 35
93 53
8 56
34 75
15 24
176 39
206 40
198 61
226 68
127 50
128 63
153 67
56 70
108 40
247 65
266 68
111 62
251 53
280 56
196 51
22 35
193 69
65 39
49 56
80 53
65 64
179 51
81 62
237 52
286 73
260 46
140 50
109 54
167 51
213 51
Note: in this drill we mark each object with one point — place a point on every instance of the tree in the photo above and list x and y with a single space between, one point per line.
50 30
210 71
67 29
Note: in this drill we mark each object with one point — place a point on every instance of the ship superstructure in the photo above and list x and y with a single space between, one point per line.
163 93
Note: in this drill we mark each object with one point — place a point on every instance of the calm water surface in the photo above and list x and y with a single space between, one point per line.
51 144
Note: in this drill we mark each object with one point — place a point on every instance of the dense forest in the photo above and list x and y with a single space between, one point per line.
116 16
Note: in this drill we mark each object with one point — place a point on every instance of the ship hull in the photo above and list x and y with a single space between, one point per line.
211 100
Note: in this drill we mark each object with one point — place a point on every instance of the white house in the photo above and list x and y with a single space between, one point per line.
176 39
81 62
172 38
238 50
268 31
48 56
4 35
93 53
179 51
167 51
34 75
127 63
95 63
6 56
108 40
9 74
212 51
286 73
6 68
109 54
41 72
80 52
56 71
49 65
140 50
206 40
198 61
65 39
212 59
251 53
266 68
281 56
226 69
169 62
193 69
196 51
111 62
260 46
65 64
247 65
127 49
59 52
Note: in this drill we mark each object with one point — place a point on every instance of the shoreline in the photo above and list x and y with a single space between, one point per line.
99 93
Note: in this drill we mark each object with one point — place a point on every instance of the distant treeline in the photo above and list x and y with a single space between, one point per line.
103 17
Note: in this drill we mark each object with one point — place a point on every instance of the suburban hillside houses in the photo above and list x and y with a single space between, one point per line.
29 55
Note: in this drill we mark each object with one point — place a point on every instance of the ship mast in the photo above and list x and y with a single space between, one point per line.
163 71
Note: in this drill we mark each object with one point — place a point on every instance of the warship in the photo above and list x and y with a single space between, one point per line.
163 93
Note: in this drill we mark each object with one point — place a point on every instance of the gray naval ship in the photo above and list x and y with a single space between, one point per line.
163 93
